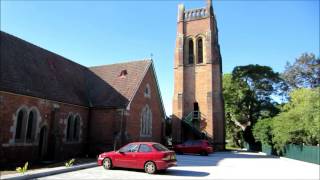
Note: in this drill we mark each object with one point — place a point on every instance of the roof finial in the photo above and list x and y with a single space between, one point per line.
151 56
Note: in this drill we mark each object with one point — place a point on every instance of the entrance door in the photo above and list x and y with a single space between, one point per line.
42 148
196 115
195 106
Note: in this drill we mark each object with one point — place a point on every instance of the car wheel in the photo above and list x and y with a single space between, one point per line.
179 152
204 153
150 167
107 164
163 171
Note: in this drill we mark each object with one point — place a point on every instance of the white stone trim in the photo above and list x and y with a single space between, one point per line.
12 141
36 132
65 122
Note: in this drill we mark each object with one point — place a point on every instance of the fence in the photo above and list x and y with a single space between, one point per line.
298 152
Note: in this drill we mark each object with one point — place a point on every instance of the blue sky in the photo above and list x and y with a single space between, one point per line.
102 32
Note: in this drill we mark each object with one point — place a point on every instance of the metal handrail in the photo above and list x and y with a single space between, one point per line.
190 117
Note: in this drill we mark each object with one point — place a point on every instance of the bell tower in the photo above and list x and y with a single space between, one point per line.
198 108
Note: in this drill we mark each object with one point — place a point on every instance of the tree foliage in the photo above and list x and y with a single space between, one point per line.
231 94
262 131
257 84
300 120
304 72
247 94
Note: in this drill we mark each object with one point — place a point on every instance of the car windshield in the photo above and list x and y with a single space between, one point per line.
188 143
130 148
160 147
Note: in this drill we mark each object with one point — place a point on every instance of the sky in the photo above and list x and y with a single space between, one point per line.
100 32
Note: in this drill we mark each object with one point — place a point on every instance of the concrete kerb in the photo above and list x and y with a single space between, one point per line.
48 172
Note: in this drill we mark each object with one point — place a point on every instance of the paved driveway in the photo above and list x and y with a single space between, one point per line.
221 165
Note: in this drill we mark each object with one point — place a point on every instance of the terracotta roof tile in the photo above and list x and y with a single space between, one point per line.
124 77
30 70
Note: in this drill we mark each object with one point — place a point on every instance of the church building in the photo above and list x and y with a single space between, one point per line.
52 108
198 108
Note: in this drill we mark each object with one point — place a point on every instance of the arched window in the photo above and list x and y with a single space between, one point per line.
32 120
73 128
147 91
146 122
76 128
200 50
20 125
69 128
191 54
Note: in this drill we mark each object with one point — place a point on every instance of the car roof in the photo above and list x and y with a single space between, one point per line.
150 143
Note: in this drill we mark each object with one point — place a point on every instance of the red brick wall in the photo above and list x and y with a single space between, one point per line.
10 151
104 127
201 83
105 124
138 102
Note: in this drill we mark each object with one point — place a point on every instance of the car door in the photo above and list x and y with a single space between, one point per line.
144 154
127 155
197 147
187 148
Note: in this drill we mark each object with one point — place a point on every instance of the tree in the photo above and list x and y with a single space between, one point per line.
248 95
304 72
231 92
262 131
299 121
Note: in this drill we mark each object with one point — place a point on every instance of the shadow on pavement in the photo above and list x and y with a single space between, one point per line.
214 158
177 172
170 172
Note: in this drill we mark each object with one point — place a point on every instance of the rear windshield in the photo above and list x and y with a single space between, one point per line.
160 147
206 143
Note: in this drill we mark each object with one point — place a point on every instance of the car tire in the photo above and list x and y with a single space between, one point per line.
204 153
150 167
107 163
179 152
162 171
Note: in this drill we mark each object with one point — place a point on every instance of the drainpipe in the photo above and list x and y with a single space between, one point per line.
121 127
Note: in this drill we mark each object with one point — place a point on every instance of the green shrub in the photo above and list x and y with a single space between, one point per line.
69 163
299 121
262 131
22 169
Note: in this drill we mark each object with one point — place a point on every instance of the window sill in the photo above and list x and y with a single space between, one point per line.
20 144
72 142
144 135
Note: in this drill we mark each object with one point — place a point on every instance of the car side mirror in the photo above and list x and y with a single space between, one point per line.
121 151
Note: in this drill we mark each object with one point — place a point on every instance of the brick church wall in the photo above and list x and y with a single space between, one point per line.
198 76
18 152
104 130
139 101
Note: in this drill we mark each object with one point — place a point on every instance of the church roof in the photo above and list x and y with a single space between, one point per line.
124 77
30 70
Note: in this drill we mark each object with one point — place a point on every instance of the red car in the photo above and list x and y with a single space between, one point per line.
194 146
149 156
